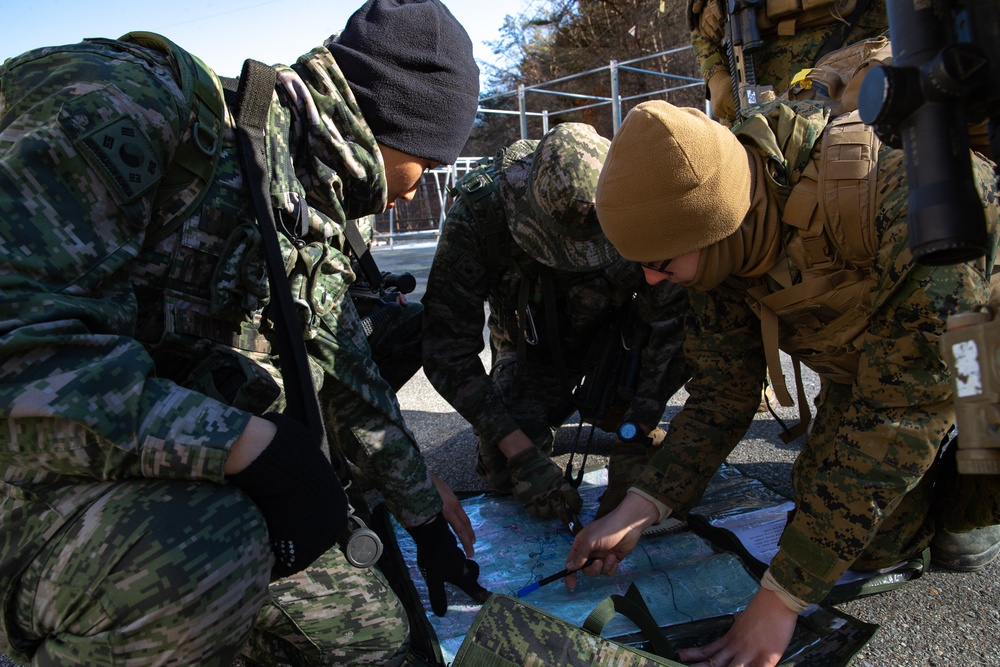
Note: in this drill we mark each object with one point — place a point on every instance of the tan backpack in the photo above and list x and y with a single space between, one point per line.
837 76
820 312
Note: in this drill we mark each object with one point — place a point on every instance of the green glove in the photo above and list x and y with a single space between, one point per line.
541 487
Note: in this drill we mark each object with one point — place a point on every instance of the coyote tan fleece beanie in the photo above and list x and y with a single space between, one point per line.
674 181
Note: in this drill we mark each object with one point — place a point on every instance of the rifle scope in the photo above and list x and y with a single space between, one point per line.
940 70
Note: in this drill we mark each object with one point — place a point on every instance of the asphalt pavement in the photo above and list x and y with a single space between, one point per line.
944 619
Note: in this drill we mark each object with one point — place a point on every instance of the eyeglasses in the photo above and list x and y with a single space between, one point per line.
659 267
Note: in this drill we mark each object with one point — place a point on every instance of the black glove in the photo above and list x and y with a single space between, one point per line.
440 559
299 494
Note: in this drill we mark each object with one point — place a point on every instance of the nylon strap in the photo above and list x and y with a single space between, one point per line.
633 607
364 254
253 101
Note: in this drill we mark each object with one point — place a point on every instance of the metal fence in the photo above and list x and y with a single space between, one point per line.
435 184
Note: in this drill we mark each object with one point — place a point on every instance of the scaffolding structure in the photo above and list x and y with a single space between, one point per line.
442 179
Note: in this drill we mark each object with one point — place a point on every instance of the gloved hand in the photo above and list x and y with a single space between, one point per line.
299 494
440 560
541 487
720 87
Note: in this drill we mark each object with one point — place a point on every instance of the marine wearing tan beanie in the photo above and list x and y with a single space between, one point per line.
674 181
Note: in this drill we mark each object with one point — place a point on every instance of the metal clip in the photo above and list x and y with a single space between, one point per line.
529 332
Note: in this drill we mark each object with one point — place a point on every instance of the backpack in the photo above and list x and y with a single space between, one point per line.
828 193
195 160
836 78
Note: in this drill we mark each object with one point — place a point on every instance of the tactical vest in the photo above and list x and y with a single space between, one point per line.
781 18
201 271
523 315
201 275
784 17
815 302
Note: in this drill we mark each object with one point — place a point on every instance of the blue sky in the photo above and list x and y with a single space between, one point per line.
221 32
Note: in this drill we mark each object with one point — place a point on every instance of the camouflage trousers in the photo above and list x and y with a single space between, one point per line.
537 401
176 573
941 497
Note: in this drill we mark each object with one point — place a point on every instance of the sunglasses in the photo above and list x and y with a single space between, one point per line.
659 267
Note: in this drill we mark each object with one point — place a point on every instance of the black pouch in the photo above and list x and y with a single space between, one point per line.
216 371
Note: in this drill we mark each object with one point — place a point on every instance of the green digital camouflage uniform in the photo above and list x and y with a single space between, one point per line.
117 534
781 56
532 394
862 497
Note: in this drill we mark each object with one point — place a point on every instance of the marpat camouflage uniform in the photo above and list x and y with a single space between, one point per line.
862 497
532 395
781 56
118 538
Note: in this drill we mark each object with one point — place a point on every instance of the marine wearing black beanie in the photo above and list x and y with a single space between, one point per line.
411 68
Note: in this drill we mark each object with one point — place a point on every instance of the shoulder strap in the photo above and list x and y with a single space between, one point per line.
252 104
479 192
363 254
633 607
195 159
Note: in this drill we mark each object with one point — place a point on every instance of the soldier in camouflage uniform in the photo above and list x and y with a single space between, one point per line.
141 486
554 283
720 221
793 40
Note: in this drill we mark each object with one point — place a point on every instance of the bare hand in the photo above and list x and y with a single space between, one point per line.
455 515
608 540
758 637
255 438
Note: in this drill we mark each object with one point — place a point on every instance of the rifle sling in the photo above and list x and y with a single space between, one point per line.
253 101
364 255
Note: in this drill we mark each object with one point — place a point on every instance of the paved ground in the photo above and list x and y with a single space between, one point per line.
943 619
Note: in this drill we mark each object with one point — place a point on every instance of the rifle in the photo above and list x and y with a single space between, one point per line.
377 300
946 73
742 39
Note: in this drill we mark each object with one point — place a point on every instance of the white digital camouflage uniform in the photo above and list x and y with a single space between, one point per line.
118 535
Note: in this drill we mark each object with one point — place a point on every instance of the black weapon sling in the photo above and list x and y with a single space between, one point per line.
253 101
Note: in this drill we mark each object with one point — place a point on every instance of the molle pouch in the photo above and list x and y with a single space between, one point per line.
216 371
508 633
239 284
971 347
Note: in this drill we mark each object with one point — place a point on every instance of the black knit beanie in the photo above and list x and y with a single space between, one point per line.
410 66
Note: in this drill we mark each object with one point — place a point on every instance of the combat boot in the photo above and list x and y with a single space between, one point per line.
968 551
624 467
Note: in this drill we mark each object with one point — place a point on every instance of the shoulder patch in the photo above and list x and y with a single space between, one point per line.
122 156
468 271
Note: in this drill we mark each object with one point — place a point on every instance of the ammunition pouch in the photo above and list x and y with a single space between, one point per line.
970 347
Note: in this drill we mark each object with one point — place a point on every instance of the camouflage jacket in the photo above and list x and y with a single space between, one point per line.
459 285
899 412
782 55
85 297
